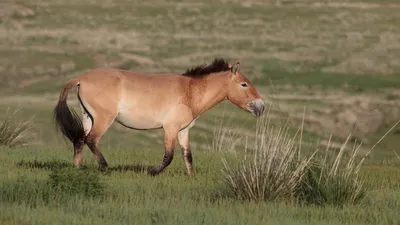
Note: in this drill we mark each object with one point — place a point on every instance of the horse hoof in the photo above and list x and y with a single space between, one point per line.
153 171
103 168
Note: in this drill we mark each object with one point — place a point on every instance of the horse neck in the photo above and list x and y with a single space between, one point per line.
208 91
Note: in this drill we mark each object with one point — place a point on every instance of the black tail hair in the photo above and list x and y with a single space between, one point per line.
67 120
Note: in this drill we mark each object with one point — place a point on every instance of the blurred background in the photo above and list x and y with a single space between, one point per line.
334 63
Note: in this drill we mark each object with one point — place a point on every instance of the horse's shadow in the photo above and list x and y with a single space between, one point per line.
59 164
137 168
46 165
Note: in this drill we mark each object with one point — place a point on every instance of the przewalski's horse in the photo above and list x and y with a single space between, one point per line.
150 101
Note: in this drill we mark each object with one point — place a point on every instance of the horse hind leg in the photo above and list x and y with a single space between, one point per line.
100 126
78 145
101 123
96 123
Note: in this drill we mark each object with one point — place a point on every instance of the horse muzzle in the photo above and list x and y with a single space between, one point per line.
257 107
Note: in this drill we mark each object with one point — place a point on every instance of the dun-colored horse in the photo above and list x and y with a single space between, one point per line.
150 101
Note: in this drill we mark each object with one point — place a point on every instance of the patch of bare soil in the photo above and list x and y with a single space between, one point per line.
40 72
316 4
138 58
342 115
8 9
79 39
357 5
67 67
29 99
381 57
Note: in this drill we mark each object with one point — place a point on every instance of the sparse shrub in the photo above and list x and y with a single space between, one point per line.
74 181
13 133
280 169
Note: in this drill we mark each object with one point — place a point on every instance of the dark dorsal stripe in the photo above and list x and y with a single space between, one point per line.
218 65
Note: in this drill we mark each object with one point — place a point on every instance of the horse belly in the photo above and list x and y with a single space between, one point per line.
137 120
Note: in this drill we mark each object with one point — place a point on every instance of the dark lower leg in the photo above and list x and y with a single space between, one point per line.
187 157
171 132
96 152
168 156
183 138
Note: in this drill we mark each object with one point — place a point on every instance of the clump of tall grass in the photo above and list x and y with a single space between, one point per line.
12 131
281 167
333 178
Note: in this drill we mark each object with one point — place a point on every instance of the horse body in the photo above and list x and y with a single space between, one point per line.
150 101
129 98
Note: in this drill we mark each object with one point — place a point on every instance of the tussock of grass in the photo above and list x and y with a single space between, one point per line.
279 168
12 132
334 178
74 181
273 171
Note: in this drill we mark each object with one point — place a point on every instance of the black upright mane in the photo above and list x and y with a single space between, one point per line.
218 65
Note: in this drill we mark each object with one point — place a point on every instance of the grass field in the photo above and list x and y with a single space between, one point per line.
133 197
332 65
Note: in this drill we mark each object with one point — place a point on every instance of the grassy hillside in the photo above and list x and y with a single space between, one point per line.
332 65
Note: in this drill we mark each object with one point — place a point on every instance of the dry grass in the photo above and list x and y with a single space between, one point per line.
14 133
225 136
281 167
272 172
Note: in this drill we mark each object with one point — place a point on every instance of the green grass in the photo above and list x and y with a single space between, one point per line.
133 197
388 148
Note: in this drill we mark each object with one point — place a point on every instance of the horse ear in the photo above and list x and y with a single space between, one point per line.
235 68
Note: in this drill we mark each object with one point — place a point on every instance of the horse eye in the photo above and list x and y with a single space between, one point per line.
244 84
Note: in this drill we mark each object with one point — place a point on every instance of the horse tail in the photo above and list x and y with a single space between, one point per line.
66 119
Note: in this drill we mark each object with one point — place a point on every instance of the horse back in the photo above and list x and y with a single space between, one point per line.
138 97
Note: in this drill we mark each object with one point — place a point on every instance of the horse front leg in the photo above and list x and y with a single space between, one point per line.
170 135
183 138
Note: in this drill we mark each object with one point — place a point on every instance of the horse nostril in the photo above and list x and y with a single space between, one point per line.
257 106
